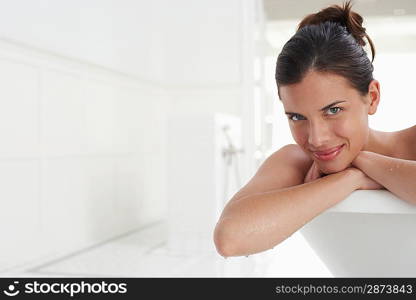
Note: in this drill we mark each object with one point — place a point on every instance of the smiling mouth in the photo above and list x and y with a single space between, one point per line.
329 155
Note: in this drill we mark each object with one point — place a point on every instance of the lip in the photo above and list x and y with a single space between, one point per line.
328 154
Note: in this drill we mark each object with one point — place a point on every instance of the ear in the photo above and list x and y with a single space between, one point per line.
373 96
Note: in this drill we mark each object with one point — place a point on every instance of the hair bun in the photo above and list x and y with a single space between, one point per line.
351 20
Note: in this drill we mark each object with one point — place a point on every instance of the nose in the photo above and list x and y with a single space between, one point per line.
319 135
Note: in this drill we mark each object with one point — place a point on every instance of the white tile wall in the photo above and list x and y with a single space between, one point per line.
100 101
63 114
78 163
19 117
20 223
213 56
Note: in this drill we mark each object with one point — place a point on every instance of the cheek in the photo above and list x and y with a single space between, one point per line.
354 132
299 134
344 130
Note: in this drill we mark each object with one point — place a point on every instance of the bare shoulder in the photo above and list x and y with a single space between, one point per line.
295 155
284 168
405 142
410 134
290 157
413 135
412 141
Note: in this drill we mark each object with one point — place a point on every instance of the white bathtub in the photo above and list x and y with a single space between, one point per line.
369 234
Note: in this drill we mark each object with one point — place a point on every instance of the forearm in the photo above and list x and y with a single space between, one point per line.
258 222
396 175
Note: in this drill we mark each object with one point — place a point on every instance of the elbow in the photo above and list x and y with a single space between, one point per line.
223 243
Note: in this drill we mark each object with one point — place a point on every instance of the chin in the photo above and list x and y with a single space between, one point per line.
328 169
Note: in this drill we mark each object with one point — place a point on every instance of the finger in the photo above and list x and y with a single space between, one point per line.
309 175
309 171
317 172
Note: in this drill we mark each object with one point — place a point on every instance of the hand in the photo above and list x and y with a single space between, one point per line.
313 173
365 182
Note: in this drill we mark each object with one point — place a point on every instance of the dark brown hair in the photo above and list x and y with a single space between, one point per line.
329 41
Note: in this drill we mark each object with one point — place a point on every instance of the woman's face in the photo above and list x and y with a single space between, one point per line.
325 114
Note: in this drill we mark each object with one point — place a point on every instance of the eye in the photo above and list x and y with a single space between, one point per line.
334 110
297 117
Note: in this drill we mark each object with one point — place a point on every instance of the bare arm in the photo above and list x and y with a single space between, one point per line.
397 175
258 221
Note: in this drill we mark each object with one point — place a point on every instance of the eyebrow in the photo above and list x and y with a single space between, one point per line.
322 109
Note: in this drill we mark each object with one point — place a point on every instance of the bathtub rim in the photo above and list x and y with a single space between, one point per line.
373 201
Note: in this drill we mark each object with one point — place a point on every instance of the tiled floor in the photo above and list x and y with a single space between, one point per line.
144 254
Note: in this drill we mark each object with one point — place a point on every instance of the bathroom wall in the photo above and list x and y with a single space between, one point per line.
125 36
85 91
208 70
209 62
82 150
78 163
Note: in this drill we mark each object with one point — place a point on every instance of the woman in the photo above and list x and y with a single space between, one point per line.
325 82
